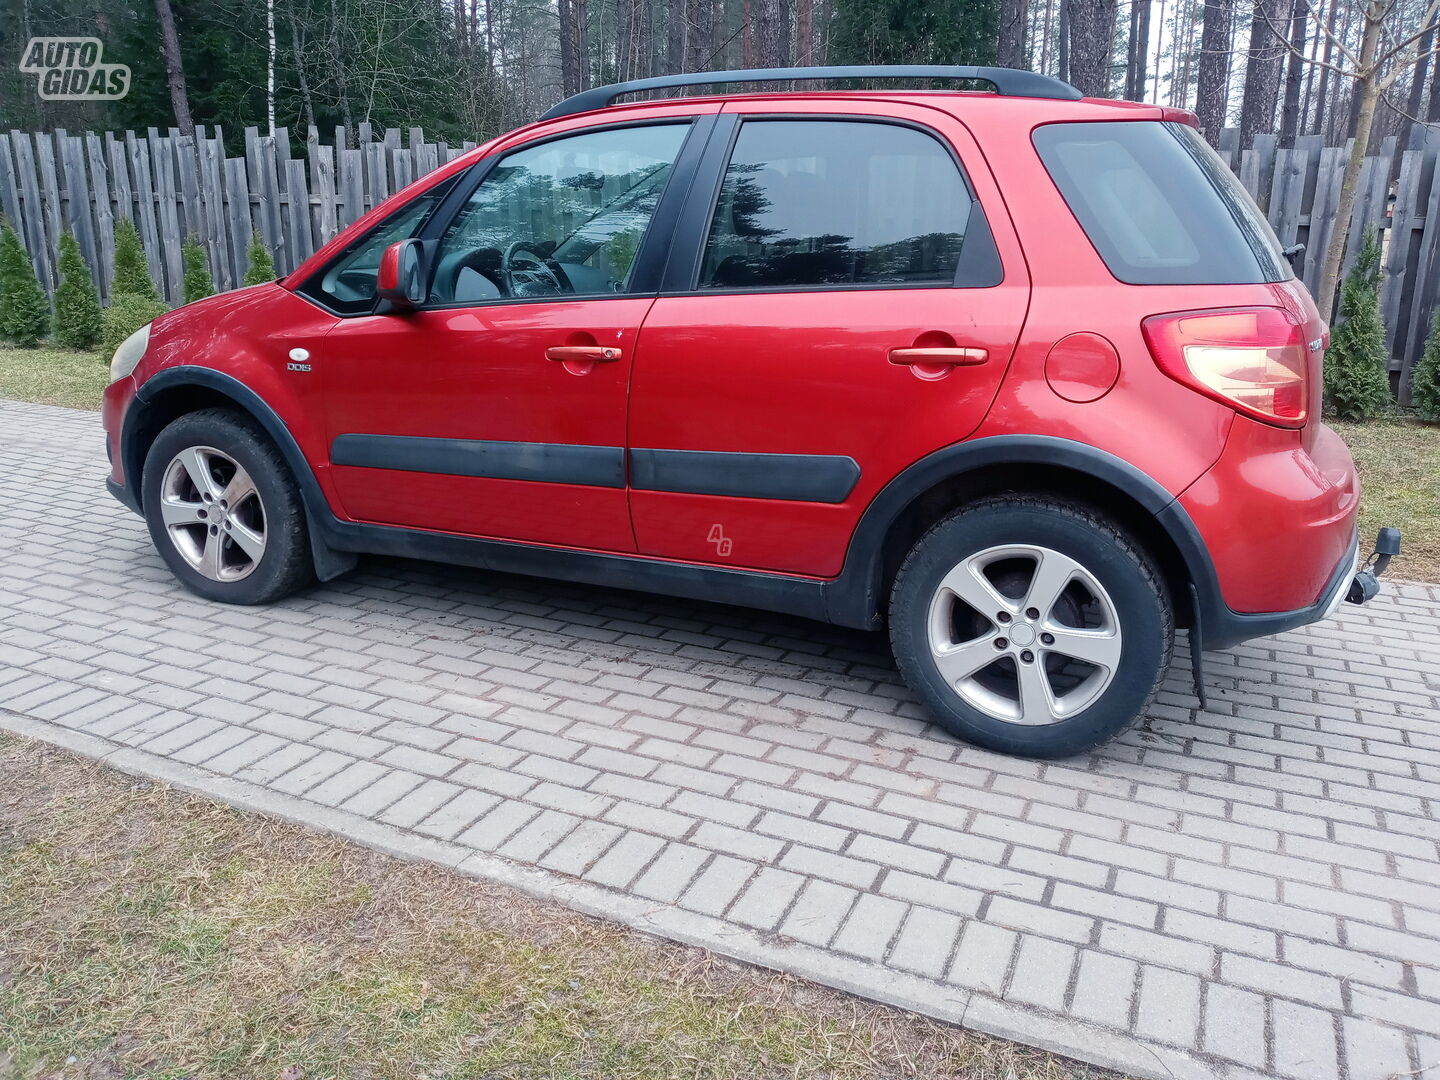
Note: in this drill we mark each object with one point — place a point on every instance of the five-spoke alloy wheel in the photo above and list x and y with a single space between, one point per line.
213 513
1031 626
223 510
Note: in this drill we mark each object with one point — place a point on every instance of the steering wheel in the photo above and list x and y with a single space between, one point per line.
542 271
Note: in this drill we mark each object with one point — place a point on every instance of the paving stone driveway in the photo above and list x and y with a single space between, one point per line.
1255 889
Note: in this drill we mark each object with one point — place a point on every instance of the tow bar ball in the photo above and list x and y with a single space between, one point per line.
1366 584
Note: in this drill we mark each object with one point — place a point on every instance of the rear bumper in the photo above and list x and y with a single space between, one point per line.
1221 628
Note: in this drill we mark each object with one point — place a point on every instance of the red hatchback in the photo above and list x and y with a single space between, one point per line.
1024 376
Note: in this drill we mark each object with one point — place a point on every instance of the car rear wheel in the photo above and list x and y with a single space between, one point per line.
1031 626
223 510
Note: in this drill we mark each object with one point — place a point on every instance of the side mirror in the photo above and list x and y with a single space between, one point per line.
401 279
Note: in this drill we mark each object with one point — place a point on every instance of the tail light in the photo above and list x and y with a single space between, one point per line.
1252 359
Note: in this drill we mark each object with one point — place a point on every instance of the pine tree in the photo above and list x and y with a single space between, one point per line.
24 308
77 308
197 283
262 266
126 314
1425 379
1356 384
132 275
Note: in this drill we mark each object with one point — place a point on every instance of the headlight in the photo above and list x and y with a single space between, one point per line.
129 353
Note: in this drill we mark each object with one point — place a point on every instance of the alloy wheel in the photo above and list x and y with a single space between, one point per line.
213 513
1024 633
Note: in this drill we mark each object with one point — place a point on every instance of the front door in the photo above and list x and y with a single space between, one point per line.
852 305
498 409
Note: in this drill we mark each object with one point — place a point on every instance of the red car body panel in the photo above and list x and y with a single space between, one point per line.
792 372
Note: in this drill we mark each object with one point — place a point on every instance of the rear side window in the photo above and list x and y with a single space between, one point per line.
820 202
1160 207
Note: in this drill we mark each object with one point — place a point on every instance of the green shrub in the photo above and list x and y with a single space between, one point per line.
126 314
77 308
197 283
132 275
24 308
1356 384
1425 379
262 266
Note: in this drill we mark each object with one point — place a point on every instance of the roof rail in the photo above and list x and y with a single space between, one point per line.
1009 82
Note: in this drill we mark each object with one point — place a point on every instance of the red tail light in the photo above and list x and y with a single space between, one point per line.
1252 359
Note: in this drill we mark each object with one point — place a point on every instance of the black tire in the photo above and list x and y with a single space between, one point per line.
1139 606
285 565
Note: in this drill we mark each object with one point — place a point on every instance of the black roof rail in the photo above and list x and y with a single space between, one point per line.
1009 82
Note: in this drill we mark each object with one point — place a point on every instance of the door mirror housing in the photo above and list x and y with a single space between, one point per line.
401 278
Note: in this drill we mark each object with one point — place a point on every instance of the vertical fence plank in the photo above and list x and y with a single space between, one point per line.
78 204
138 151
9 186
120 177
212 185
51 220
297 223
30 223
352 185
167 214
322 192
237 216
1397 250
104 215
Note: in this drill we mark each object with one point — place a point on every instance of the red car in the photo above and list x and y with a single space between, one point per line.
1025 377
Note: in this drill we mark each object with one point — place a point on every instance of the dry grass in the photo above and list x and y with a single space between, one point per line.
54 376
1399 463
145 932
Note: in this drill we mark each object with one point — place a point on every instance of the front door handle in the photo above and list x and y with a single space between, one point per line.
591 354
952 356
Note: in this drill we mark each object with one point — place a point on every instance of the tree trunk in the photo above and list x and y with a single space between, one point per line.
1415 103
629 52
675 33
1262 70
1294 74
1092 37
804 33
572 47
174 69
772 33
1214 88
700 34
1010 37
1367 94
270 65
1062 44
747 34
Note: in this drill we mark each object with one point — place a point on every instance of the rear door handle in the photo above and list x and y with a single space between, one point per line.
583 353
952 355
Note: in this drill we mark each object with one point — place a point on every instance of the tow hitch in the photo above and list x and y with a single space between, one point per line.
1366 582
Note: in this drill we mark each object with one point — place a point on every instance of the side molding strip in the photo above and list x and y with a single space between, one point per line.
823 478
552 463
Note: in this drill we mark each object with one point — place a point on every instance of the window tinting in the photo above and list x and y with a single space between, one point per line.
347 284
1159 206
563 218
835 203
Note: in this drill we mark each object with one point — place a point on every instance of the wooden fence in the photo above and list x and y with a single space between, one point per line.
171 185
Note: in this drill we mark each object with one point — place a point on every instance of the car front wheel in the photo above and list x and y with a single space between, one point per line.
223 510
1031 626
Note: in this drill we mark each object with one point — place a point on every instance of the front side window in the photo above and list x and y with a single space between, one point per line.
347 285
564 218
825 202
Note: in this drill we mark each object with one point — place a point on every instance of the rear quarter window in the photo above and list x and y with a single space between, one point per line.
1158 205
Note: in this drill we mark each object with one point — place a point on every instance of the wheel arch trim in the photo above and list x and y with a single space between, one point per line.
329 563
856 597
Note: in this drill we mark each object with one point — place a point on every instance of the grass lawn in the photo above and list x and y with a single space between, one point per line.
147 932
54 376
1399 459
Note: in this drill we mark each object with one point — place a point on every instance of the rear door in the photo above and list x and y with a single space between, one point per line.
843 298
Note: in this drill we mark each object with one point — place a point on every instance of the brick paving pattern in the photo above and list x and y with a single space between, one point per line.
1251 890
